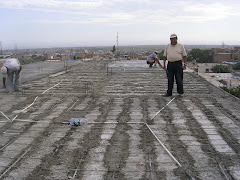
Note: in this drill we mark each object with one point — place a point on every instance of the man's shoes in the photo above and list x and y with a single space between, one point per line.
167 95
180 95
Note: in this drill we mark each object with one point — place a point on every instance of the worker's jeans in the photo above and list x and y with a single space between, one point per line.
175 69
12 76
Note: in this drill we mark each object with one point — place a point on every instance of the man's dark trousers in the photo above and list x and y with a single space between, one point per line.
175 69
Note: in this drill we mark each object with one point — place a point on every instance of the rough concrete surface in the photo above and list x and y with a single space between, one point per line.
195 136
216 78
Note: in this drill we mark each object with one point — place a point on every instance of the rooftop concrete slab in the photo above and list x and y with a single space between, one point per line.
198 132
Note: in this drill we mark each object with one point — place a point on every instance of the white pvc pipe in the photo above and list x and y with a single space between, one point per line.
34 101
5 116
5 172
6 145
109 123
170 154
51 88
29 105
162 109
25 108
74 104
163 146
115 122
29 120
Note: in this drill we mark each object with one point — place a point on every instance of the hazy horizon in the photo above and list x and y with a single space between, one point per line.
160 46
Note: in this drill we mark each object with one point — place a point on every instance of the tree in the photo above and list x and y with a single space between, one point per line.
35 58
160 55
114 49
236 66
201 56
220 69
234 91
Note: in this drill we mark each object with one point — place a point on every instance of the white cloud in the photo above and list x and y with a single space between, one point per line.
50 4
119 12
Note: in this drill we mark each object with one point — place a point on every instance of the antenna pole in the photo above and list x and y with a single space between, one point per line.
117 39
1 46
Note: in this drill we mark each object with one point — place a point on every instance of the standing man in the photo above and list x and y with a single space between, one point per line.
11 69
175 54
153 59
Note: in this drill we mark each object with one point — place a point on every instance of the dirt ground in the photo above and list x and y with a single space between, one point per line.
191 137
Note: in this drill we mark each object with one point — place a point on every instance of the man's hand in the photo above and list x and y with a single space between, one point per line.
184 66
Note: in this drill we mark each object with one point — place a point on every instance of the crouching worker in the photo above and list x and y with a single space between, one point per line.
153 59
11 72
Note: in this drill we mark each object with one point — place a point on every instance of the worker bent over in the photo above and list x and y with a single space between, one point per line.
11 72
153 59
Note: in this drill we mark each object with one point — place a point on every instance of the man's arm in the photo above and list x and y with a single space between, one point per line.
185 62
18 75
164 62
158 61
165 58
184 55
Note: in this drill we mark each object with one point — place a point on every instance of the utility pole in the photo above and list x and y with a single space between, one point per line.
1 46
117 52
16 48
223 46
117 39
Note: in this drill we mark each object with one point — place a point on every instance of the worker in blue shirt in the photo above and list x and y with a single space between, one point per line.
153 59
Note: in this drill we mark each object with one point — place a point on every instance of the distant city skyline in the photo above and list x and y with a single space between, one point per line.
84 23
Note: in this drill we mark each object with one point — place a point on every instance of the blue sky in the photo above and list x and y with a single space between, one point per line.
51 23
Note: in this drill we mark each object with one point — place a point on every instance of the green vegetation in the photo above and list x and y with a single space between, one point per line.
29 61
233 91
160 55
220 69
201 56
114 49
34 58
236 66
37 58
